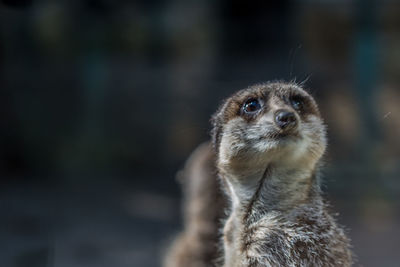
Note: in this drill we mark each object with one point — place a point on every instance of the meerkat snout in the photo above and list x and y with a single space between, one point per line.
285 119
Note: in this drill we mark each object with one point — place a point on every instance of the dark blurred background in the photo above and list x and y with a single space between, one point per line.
102 101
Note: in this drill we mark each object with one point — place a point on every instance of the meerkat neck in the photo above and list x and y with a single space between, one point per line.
274 189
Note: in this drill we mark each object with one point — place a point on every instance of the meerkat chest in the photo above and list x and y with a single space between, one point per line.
265 242
245 243
274 242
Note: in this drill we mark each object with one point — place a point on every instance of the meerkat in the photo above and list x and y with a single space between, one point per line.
269 140
203 208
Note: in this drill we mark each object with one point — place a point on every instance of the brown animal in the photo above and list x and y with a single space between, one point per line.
269 140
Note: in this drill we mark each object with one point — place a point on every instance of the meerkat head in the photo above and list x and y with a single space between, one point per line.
273 123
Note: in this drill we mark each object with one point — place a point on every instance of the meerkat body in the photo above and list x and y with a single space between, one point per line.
203 207
269 139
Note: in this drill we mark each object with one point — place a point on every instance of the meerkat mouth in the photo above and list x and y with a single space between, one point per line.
282 136
285 135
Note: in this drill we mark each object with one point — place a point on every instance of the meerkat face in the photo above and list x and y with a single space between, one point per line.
268 123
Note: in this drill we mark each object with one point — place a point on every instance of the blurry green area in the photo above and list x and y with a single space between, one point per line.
108 98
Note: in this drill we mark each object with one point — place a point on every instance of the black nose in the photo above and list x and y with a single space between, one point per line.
285 119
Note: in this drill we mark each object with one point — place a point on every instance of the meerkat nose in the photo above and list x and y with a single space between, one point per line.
285 119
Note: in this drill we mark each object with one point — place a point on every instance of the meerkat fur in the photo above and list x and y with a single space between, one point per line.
269 140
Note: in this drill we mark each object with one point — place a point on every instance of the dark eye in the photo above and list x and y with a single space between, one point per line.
251 106
297 102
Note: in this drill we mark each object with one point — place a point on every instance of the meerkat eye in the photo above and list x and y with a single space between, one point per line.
251 105
297 102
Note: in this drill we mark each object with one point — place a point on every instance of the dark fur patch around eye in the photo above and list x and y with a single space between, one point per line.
230 109
251 106
297 102
302 103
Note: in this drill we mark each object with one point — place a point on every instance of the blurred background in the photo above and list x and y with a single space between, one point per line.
102 101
